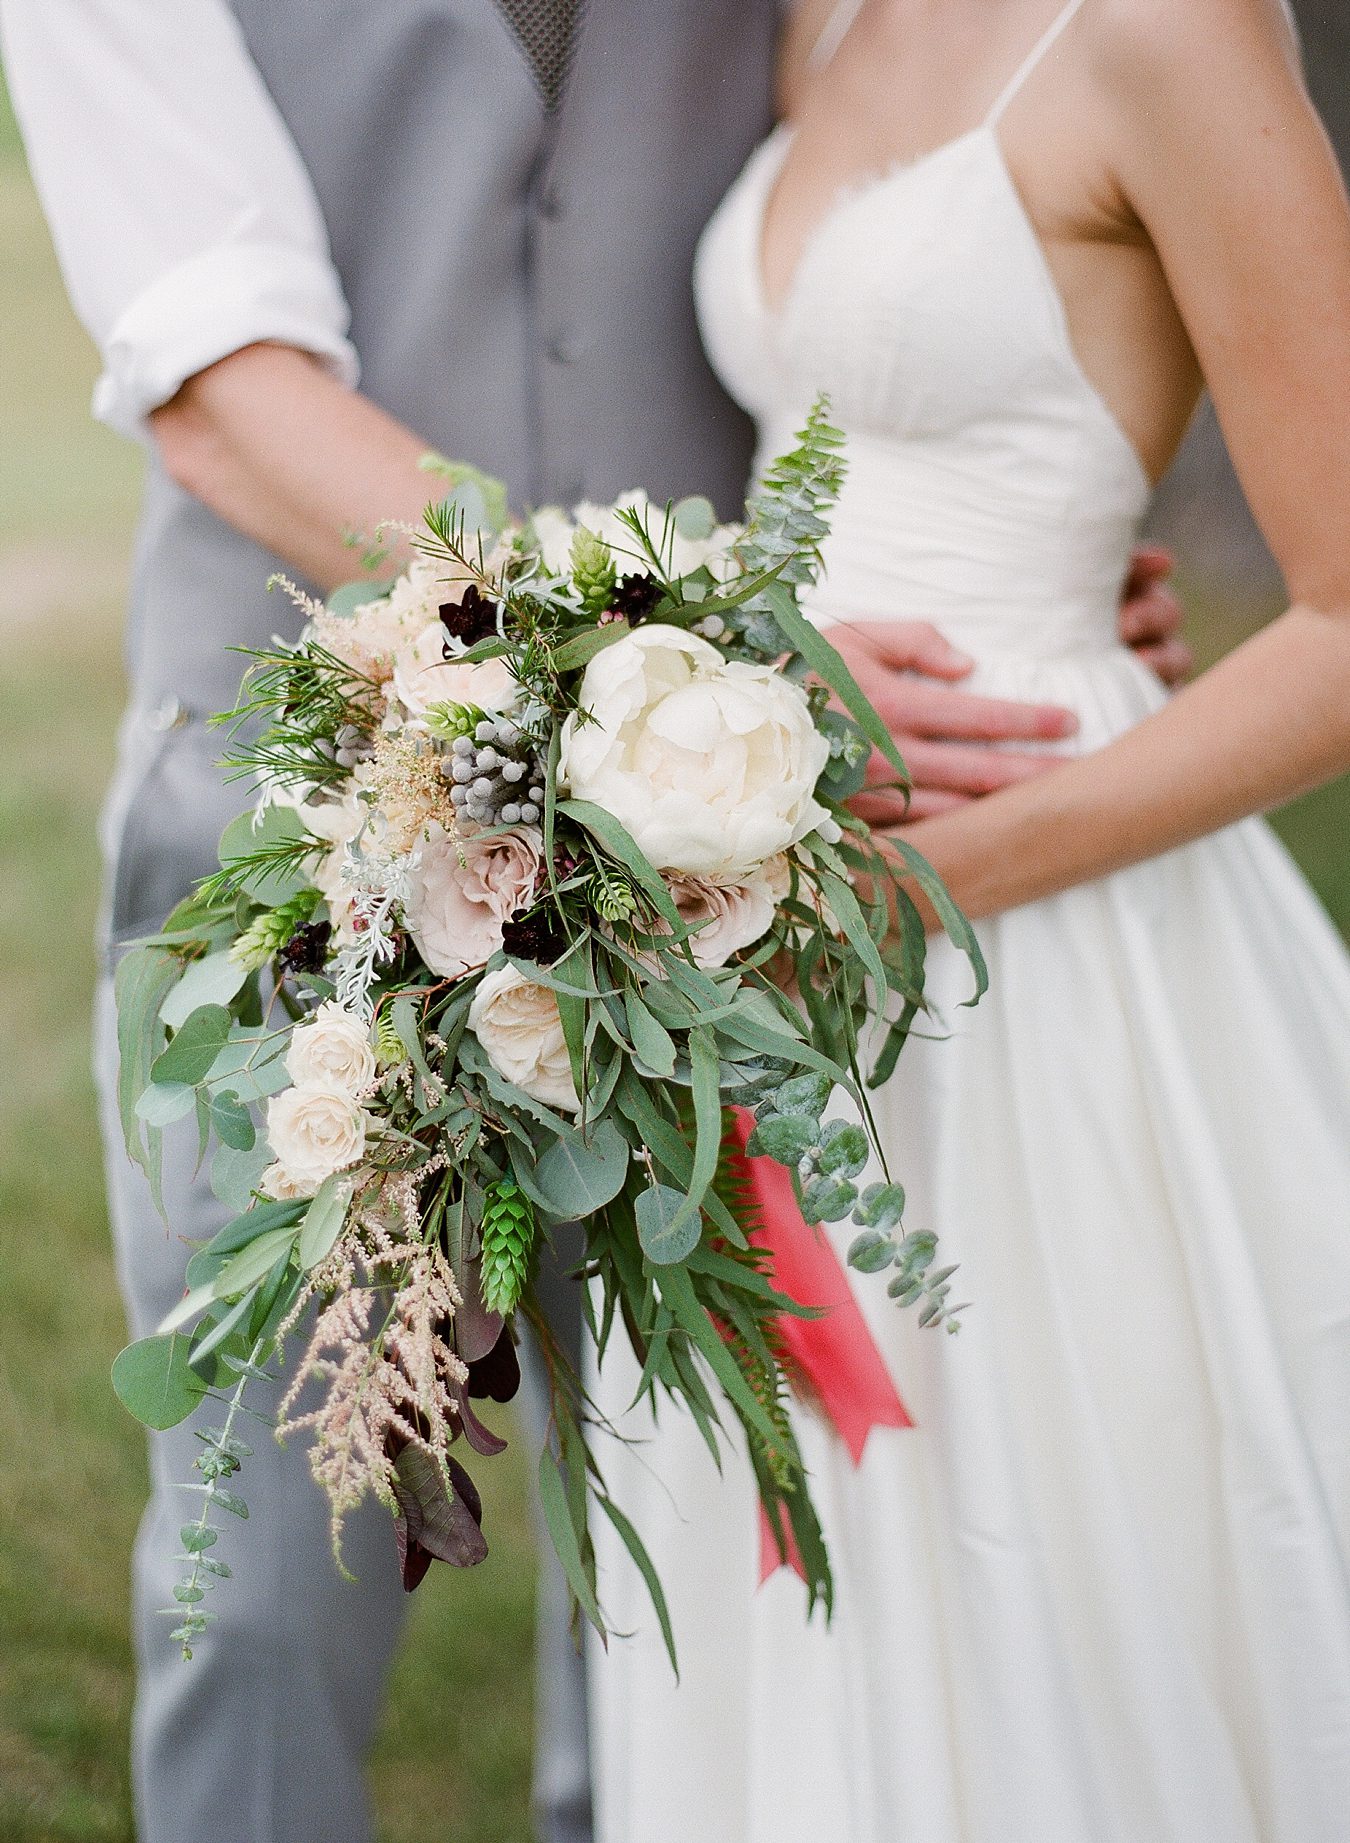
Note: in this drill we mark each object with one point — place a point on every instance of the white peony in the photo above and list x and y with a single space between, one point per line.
711 764
464 889
315 1131
423 676
728 916
517 1023
331 1050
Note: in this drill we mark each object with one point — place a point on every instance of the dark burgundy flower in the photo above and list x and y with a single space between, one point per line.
307 948
496 1377
470 620
535 935
635 597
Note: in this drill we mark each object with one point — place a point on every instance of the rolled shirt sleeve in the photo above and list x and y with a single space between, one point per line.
184 221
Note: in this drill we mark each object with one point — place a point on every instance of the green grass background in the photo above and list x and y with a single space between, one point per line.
452 1757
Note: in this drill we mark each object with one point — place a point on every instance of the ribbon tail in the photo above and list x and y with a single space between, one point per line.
833 1358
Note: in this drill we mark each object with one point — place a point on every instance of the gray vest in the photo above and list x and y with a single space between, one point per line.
519 282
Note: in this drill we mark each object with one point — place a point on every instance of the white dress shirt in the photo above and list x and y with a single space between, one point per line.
184 220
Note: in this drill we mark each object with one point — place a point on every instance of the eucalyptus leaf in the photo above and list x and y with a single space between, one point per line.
958 929
830 668
143 980
349 596
643 1563
828 1199
667 1230
209 1339
323 1220
881 1206
236 1173
871 1252
153 1381
844 1150
651 1040
252 1263
787 1138
232 1121
566 1542
251 1062
215 979
580 1174
695 518
619 843
804 1094
196 1300
194 1047
579 651
164 1102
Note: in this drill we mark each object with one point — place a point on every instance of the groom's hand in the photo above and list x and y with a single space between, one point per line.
958 746
1151 617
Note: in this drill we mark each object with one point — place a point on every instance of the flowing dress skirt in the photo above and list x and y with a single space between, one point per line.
1099 1593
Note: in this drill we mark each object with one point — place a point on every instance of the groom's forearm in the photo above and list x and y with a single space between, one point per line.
278 448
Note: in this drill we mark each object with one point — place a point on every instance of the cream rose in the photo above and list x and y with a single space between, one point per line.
464 889
424 676
711 764
314 1132
728 916
517 1023
279 1184
332 1050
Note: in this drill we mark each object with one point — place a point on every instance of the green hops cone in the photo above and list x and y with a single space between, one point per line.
593 574
269 932
389 1050
448 721
508 1237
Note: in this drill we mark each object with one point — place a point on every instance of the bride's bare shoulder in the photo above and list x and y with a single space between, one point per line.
1193 40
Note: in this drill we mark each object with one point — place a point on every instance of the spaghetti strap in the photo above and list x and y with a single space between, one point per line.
835 30
1029 64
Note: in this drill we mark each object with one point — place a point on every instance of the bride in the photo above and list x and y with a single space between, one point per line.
1098 1593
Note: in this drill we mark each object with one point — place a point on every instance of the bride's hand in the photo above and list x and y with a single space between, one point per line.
909 673
953 743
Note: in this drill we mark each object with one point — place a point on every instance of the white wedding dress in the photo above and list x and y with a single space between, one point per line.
1099 1593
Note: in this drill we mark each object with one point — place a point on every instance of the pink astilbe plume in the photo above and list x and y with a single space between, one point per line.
387 1389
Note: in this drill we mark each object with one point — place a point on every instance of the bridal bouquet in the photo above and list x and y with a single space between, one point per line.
547 875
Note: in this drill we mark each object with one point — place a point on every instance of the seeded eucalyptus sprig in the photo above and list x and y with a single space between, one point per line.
785 525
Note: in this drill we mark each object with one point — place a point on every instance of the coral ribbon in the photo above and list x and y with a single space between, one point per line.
834 1355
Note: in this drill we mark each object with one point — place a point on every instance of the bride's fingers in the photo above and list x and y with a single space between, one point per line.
1151 564
951 767
903 646
915 707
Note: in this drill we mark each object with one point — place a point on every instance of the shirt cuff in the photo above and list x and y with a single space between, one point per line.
214 304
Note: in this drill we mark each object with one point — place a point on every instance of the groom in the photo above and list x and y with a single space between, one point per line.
485 210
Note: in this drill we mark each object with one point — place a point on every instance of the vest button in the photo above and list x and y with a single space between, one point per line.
565 348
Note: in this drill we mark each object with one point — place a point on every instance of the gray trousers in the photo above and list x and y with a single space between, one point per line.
262 1737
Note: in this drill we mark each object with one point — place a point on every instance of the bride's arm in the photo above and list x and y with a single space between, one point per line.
1223 160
